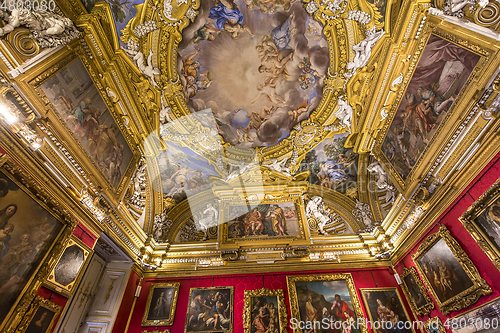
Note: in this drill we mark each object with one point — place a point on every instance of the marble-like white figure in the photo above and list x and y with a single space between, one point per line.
344 113
364 49
363 214
279 166
47 28
207 218
242 168
317 209
147 68
139 181
161 226
382 181
455 7
165 111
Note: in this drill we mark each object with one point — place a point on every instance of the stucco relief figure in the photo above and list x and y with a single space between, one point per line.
47 28
344 113
382 181
364 49
207 218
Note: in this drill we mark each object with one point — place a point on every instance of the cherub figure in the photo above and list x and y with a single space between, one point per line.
302 108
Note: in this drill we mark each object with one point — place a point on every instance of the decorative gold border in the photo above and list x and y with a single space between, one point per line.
231 296
424 310
28 185
431 320
224 219
170 320
37 303
467 297
68 290
347 277
476 308
247 309
469 217
367 308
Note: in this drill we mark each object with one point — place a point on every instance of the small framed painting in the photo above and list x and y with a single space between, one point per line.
415 292
161 304
41 317
265 311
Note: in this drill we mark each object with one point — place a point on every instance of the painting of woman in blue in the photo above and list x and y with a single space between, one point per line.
228 18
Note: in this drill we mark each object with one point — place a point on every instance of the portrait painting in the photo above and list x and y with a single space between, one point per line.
415 292
443 271
69 267
487 317
263 221
78 102
329 298
331 165
210 310
384 306
449 273
434 325
264 311
440 75
161 304
274 79
27 231
41 317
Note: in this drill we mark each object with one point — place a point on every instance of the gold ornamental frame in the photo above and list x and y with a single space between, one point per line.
231 306
467 297
300 239
429 305
470 216
347 277
33 189
457 112
38 303
173 307
67 290
434 321
367 308
281 307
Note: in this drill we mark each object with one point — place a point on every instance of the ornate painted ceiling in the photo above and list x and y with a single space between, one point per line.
207 133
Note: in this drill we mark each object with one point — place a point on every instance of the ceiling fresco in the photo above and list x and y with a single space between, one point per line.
215 130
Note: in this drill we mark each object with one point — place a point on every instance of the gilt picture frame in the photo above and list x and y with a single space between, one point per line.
449 274
41 317
434 325
68 270
324 290
482 221
198 317
161 304
276 310
415 292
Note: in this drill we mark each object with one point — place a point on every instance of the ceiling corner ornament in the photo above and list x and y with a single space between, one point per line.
47 28
382 181
136 196
328 222
161 227
363 214
363 51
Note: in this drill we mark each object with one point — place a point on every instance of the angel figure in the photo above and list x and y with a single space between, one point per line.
302 108
147 68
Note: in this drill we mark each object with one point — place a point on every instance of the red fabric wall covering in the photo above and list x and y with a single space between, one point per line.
85 235
126 305
54 298
450 219
363 278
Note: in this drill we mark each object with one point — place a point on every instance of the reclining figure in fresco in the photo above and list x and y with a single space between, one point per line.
47 28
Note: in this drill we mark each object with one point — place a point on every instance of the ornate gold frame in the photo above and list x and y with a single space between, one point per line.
347 277
231 300
469 217
68 290
467 297
425 309
367 308
435 319
458 317
29 186
170 320
37 303
247 309
301 222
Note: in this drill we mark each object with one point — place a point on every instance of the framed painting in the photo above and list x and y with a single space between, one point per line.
386 310
41 317
27 232
210 310
482 220
327 302
450 275
415 292
437 83
485 318
434 325
76 105
161 304
265 311
69 267
275 219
